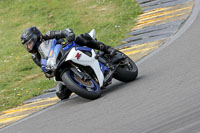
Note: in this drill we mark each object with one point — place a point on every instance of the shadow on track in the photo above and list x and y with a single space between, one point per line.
117 85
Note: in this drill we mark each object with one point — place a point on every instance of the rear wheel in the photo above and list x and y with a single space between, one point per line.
126 72
87 89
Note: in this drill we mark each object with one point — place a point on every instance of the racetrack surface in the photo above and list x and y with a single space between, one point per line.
164 99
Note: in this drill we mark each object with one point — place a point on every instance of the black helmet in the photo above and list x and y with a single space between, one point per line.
30 37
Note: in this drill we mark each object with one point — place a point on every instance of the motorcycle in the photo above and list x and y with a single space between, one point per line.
86 72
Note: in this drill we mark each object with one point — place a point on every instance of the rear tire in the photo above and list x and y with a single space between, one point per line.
126 73
68 77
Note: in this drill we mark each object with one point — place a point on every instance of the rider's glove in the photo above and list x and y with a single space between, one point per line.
44 69
69 34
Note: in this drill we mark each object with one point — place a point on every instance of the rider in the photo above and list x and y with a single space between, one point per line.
40 45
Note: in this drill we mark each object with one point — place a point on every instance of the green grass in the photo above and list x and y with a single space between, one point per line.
20 78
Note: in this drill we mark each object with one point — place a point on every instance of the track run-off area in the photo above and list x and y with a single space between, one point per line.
164 98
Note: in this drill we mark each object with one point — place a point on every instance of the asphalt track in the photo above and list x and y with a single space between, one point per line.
164 99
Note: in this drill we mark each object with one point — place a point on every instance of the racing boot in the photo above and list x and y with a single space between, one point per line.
62 91
107 49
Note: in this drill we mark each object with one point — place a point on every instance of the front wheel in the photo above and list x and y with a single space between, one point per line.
127 72
87 89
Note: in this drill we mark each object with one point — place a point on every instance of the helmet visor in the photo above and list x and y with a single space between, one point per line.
29 44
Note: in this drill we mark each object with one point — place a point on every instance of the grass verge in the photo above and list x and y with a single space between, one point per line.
20 78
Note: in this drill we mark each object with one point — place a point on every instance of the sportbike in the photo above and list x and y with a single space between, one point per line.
86 72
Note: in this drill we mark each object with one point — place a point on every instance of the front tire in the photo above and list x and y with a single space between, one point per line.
86 89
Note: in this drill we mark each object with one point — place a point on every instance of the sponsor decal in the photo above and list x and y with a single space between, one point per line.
78 55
